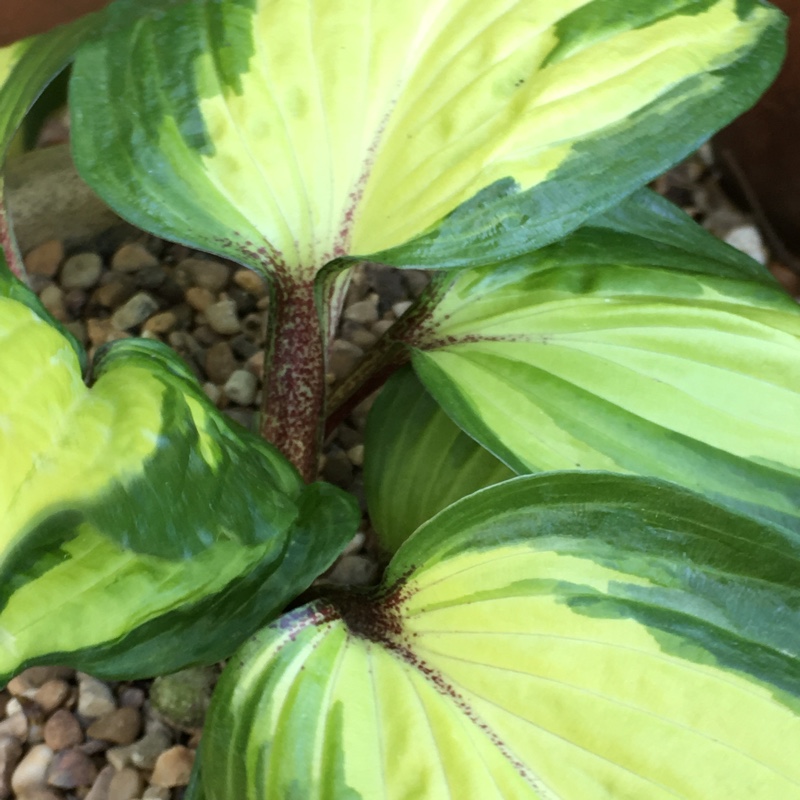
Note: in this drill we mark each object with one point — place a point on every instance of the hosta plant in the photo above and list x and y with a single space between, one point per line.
584 462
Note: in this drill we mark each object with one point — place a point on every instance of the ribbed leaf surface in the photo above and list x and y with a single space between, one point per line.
566 637
284 133
614 351
418 461
139 528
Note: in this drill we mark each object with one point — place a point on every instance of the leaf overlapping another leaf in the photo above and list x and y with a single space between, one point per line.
152 524
564 636
612 351
285 135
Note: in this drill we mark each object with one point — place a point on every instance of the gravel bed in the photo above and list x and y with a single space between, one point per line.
67 736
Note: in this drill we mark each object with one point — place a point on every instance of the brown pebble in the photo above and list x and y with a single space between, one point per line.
161 323
10 755
206 273
52 298
220 362
115 292
127 784
71 769
53 694
34 677
173 767
251 282
45 259
102 783
62 730
199 298
98 330
121 726
132 257
787 278
343 358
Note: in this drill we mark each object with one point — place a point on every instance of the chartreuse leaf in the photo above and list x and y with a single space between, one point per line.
140 530
417 460
569 636
613 351
285 134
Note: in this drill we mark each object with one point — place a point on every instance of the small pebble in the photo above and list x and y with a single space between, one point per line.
70 769
161 323
134 312
343 358
45 259
31 772
241 387
52 298
173 767
206 273
62 730
747 239
52 694
102 784
127 784
132 257
364 311
114 290
121 726
95 699
223 318
220 362
10 755
251 282
199 298
143 752
81 271
15 724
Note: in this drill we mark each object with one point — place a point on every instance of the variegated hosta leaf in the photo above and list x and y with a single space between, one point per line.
140 530
284 133
612 351
417 461
561 637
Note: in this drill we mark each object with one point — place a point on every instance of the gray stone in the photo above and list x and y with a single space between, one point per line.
241 387
95 699
134 312
222 317
144 752
81 271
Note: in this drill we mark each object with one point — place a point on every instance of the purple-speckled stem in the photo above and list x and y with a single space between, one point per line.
6 240
294 376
